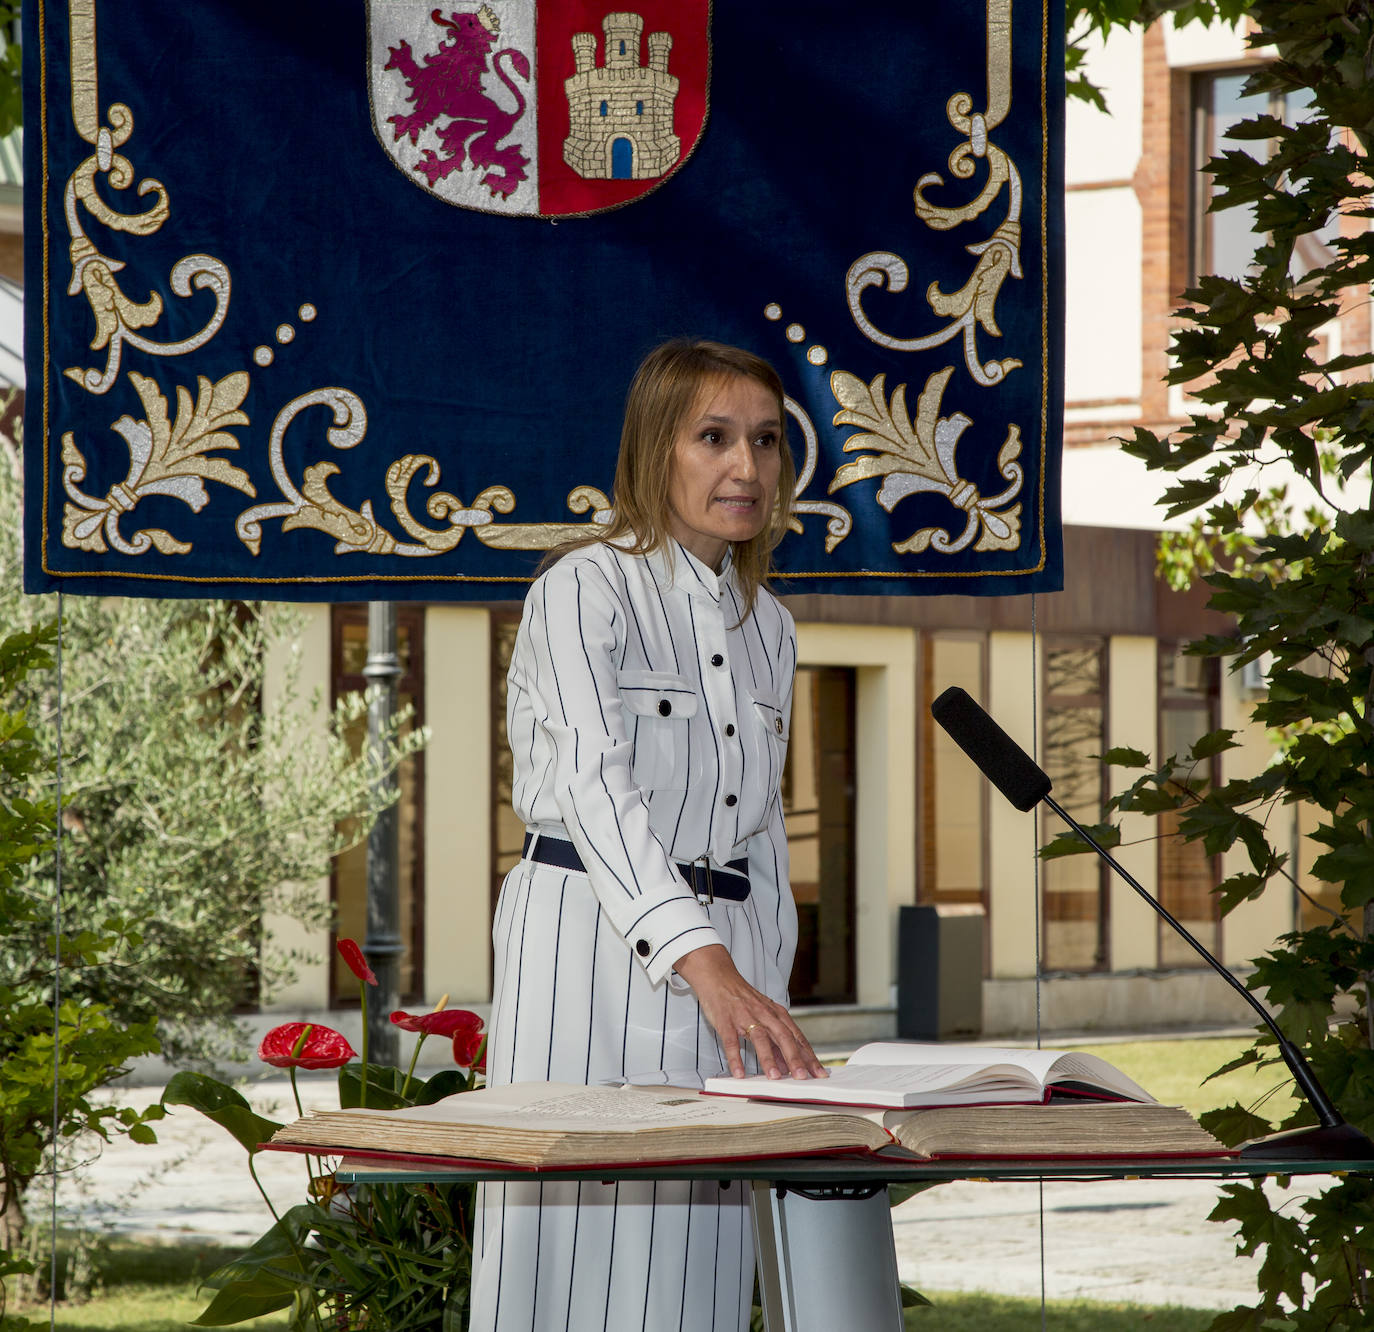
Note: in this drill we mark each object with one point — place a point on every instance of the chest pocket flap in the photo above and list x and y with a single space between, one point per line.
656 694
658 707
768 708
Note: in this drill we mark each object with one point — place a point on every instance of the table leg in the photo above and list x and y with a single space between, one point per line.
825 1263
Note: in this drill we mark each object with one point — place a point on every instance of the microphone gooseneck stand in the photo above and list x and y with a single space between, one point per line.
1025 784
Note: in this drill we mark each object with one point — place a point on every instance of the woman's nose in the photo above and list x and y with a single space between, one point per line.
743 465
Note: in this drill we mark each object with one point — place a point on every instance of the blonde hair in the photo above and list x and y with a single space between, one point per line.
663 392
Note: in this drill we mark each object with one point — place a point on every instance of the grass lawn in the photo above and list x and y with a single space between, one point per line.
152 1288
139 1308
145 1287
145 1308
1002 1313
1173 1072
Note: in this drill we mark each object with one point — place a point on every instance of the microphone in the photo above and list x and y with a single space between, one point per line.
1018 777
1002 761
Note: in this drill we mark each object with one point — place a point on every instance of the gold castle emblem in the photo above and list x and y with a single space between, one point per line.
621 112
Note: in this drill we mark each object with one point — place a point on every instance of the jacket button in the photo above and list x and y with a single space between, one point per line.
717 660
730 728
730 800
664 707
643 948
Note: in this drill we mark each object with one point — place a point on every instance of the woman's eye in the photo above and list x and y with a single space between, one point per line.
712 436
766 441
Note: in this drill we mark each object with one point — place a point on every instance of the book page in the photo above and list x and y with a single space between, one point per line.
891 1085
569 1108
559 1123
916 1054
1046 1066
1077 1066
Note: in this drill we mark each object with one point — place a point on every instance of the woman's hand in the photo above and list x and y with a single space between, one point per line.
736 1010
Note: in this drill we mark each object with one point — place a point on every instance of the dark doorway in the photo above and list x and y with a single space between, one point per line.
818 801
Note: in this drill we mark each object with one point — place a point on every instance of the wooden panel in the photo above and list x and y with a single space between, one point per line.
1110 587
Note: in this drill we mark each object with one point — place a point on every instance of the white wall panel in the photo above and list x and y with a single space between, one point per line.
1102 295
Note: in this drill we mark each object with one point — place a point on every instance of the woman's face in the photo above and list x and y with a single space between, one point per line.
726 463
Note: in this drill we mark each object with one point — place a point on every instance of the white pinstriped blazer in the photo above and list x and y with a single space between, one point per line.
647 725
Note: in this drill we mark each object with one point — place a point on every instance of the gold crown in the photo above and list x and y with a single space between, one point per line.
487 17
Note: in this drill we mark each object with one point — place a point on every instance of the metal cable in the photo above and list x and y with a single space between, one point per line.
1035 861
56 988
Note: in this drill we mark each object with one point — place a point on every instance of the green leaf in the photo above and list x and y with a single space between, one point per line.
1157 800
240 1301
1246 1059
1219 826
269 1276
1214 742
1244 1318
1121 756
1238 888
897 1194
1353 866
222 1104
1233 1124
446 1082
1107 835
384 1085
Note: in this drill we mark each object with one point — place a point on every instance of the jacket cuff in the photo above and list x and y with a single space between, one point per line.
659 933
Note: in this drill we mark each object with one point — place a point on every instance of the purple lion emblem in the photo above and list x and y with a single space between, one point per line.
448 86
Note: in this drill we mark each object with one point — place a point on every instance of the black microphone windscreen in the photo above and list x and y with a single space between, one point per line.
1002 761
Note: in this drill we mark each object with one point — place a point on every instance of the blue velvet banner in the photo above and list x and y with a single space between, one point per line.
339 301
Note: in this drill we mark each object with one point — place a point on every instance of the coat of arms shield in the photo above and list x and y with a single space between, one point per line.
538 108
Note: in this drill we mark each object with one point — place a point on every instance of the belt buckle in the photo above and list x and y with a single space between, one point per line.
710 885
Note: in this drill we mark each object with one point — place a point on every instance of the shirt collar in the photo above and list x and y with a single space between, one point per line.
673 564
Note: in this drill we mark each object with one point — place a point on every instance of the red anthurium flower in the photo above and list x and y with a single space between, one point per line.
323 1047
357 963
469 1042
446 1022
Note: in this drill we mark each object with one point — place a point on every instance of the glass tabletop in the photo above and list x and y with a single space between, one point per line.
811 1172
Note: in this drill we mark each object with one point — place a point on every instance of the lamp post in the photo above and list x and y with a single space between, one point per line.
383 946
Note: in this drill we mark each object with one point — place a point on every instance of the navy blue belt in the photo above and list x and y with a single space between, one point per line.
709 881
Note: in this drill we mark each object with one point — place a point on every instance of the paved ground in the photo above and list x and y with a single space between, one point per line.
1134 1241
1145 1242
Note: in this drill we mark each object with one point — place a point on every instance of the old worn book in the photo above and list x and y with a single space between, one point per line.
549 1124
906 1074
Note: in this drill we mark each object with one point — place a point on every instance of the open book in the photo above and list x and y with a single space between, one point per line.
907 1074
546 1125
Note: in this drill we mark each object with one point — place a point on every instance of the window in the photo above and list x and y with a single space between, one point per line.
639 108
818 805
1225 243
1188 705
348 881
953 795
507 831
603 108
1074 888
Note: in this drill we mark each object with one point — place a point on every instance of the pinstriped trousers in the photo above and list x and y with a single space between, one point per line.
572 1004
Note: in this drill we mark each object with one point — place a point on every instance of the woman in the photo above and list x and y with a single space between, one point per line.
648 932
